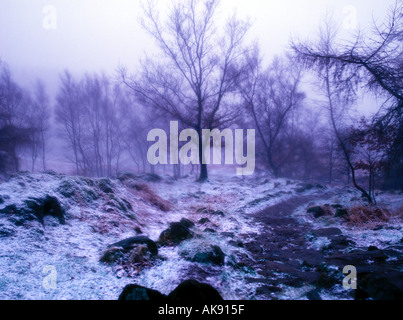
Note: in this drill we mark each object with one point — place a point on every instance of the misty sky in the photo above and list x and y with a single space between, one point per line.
41 38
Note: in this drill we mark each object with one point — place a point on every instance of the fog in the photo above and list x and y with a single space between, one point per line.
43 39
94 35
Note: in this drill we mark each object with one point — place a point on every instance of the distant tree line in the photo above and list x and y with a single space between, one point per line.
24 121
207 77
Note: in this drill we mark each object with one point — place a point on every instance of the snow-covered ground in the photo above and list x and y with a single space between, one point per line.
96 219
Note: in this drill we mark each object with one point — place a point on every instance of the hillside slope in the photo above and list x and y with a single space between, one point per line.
254 238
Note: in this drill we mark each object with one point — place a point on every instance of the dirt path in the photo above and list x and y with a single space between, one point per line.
283 255
281 248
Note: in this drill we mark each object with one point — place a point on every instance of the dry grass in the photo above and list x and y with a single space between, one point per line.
367 215
150 196
130 262
113 223
102 227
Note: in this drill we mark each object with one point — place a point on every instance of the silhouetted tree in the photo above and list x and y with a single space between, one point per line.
39 118
370 147
193 80
374 61
271 96
93 114
16 132
69 115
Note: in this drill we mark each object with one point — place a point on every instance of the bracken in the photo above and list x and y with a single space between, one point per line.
367 215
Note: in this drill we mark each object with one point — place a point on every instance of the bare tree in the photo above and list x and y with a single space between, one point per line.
339 97
131 123
95 107
15 130
330 151
115 114
370 147
193 80
270 97
375 61
39 118
69 115
93 113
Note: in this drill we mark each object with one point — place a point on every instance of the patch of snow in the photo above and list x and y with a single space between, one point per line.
319 243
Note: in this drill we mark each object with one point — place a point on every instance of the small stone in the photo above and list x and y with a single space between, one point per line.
209 230
341 213
317 211
218 213
204 220
227 234
377 228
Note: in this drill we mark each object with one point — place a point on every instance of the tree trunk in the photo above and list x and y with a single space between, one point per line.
203 173
203 167
43 151
274 168
15 160
341 141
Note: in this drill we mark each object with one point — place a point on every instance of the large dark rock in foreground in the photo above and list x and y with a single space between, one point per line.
190 291
139 293
194 291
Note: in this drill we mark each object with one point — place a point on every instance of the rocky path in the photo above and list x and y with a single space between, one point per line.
281 248
284 256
